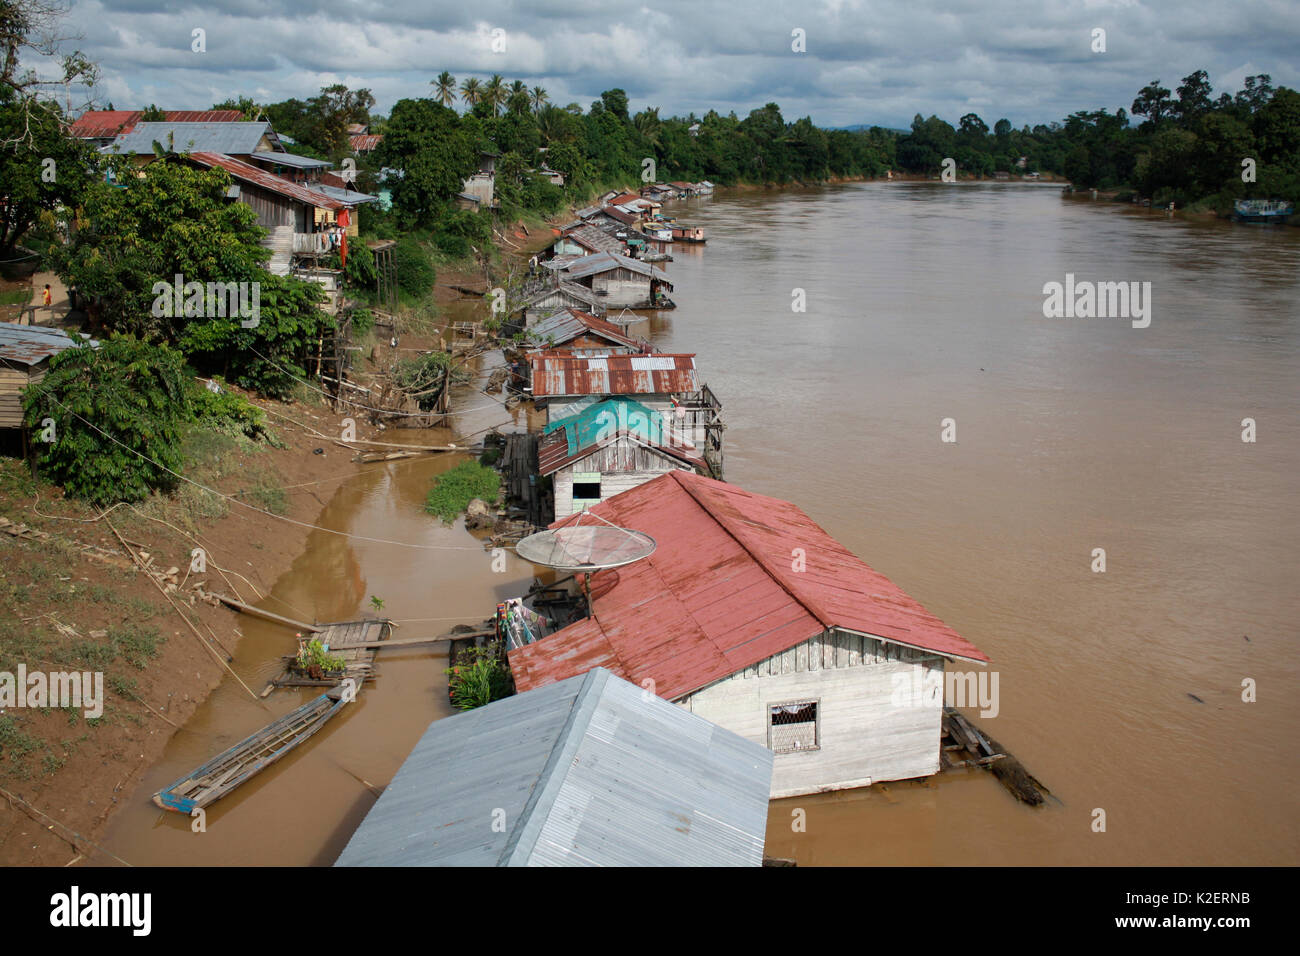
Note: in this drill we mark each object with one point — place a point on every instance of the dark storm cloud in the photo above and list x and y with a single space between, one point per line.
865 62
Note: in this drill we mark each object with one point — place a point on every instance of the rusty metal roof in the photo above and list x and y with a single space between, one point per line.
568 324
559 373
249 173
98 124
613 212
720 593
365 142
32 344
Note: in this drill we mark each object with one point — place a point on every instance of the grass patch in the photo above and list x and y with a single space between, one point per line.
14 743
15 297
453 490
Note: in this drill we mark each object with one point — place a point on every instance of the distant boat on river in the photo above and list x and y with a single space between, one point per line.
1262 210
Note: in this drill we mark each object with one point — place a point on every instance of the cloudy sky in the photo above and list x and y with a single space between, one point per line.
865 61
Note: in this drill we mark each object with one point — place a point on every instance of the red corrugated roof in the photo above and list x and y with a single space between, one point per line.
260 177
365 142
720 594
96 124
561 373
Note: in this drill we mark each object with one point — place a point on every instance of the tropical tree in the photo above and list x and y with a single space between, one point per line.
538 96
445 88
1153 102
494 93
471 91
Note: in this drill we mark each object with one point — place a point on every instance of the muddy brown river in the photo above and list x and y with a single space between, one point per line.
924 302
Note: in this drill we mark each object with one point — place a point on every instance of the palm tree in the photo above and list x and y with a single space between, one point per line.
518 87
471 91
539 97
648 124
551 125
494 93
446 88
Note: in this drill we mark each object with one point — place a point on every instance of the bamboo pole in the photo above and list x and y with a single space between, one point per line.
269 615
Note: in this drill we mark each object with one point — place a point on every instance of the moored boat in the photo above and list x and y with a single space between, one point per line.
226 771
1262 210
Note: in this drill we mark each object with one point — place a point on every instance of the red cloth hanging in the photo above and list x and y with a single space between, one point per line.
344 220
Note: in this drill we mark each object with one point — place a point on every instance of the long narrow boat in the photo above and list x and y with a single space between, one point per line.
1262 210
229 769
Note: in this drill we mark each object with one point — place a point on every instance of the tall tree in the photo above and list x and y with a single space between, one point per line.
1193 96
471 91
538 97
1153 102
445 90
494 93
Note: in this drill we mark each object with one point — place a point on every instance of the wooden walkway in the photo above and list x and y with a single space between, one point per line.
356 642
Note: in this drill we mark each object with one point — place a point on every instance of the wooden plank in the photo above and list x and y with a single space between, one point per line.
248 608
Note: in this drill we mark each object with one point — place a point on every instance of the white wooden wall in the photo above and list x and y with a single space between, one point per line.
865 738
623 465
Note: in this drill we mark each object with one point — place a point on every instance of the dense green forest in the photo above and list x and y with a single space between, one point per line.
1184 146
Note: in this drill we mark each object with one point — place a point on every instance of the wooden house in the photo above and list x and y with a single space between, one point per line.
580 333
25 353
749 614
619 281
564 383
610 447
553 297
585 240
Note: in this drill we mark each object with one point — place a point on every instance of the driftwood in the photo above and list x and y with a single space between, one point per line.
987 753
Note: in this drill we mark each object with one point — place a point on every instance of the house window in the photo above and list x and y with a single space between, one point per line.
586 486
793 727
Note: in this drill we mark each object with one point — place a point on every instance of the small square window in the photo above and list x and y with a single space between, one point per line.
793 727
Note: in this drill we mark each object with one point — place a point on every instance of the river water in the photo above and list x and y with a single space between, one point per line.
924 302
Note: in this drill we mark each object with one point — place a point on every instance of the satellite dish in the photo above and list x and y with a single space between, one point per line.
590 547
626 317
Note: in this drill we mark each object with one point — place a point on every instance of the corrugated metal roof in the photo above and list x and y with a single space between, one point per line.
365 142
240 138
578 293
605 261
98 124
30 344
349 197
720 594
576 436
293 159
568 324
594 239
260 177
587 772
619 215
559 373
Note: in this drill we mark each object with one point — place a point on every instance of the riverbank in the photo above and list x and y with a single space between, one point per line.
69 608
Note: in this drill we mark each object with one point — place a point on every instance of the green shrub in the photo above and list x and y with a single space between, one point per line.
118 414
479 677
415 274
453 490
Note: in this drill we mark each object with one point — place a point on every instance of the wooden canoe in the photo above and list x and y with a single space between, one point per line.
229 769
